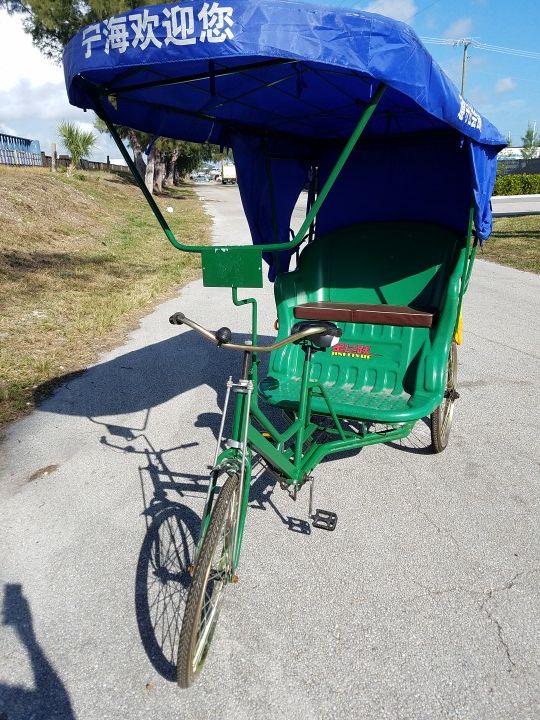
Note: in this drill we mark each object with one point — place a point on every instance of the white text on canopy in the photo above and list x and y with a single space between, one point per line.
468 115
177 25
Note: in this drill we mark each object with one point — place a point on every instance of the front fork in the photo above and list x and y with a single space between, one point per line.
236 458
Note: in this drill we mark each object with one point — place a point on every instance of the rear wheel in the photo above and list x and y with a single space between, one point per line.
441 418
213 571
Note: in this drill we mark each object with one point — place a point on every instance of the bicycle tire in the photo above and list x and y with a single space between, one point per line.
194 642
442 417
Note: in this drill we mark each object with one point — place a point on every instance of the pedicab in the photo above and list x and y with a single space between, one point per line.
399 169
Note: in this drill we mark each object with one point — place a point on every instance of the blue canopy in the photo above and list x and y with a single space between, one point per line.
284 84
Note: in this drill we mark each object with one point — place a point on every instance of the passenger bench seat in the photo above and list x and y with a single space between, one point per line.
400 315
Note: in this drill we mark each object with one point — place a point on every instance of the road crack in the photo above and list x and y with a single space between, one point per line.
439 528
494 620
501 639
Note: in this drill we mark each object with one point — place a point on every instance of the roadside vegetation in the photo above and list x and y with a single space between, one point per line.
79 143
517 185
81 260
516 242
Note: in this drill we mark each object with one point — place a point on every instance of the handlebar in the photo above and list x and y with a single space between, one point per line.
222 337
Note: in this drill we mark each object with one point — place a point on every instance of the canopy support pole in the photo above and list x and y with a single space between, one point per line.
140 182
338 167
271 247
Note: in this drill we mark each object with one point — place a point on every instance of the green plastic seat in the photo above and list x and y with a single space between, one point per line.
378 372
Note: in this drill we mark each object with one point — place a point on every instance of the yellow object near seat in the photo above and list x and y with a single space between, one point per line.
458 335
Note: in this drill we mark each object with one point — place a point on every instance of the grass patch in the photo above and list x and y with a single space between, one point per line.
82 258
516 242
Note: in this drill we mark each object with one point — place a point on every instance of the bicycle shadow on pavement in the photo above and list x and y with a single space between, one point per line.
49 698
418 442
162 581
144 378
162 578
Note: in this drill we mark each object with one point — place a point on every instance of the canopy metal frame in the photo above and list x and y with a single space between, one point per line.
103 93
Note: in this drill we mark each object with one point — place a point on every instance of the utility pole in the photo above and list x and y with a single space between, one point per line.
466 44
54 157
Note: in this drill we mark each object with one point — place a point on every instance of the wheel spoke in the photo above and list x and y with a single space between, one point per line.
208 626
447 419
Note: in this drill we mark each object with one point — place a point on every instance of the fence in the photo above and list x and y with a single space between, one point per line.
518 167
19 151
65 161
91 165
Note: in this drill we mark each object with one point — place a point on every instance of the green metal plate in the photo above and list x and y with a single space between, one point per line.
238 267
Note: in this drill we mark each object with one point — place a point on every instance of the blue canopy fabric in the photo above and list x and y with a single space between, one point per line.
284 84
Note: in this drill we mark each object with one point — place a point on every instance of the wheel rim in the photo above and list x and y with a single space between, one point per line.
447 406
218 574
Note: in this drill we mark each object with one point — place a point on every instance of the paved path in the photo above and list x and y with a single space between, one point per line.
424 603
516 205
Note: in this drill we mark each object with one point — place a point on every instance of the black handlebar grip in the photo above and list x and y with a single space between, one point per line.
223 336
177 318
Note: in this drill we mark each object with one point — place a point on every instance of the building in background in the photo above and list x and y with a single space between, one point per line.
19 151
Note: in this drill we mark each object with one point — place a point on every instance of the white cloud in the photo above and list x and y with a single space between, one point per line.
32 92
459 29
505 84
397 9
20 59
6 129
86 127
44 102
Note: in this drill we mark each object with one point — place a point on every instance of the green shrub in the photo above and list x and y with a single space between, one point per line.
517 185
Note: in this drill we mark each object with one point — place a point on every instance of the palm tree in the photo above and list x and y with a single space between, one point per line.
77 142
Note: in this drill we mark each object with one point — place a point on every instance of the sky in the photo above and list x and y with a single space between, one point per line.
505 88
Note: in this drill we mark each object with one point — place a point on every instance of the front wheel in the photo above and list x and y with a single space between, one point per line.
213 571
441 418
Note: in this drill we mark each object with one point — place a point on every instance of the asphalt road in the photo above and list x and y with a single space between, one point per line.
516 205
423 604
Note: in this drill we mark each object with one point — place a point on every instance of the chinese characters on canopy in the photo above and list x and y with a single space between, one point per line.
182 26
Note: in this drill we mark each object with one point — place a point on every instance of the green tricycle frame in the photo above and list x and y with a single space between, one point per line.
400 168
317 423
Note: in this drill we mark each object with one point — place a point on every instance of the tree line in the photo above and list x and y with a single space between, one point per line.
167 161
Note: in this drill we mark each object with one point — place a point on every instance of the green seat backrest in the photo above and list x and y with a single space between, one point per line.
395 263
387 263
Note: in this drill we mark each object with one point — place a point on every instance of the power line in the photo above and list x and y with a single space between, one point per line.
510 51
421 10
482 46
468 42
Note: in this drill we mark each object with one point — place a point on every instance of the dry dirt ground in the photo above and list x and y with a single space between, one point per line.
81 259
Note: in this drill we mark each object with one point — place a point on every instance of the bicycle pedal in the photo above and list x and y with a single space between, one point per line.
298 526
324 519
